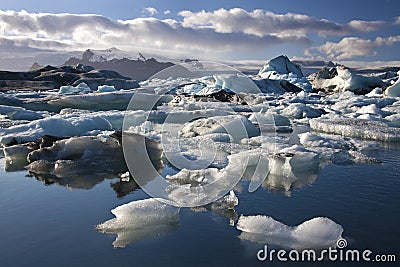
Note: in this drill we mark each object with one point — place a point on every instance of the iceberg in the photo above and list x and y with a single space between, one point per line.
394 89
270 122
75 124
237 126
340 79
282 65
237 83
300 110
291 168
69 89
139 220
282 69
78 156
316 233
226 202
106 88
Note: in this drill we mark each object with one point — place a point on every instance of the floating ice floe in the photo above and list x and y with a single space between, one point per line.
357 128
237 126
80 162
338 149
75 124
300 110
107 100
316 233
78 156
139 220
19 113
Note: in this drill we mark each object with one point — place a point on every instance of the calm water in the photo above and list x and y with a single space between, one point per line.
54 226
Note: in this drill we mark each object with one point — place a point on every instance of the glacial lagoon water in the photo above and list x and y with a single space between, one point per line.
53 225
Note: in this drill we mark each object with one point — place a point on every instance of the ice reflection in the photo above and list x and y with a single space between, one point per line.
125 238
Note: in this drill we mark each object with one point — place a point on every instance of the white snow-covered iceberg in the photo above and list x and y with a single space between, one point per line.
282 65
316 233
282 69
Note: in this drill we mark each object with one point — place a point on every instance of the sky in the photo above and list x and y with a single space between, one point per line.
226 30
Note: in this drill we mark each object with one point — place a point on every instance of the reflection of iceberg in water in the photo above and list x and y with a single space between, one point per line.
80 162
72 181
140 219
125 238
316 233
124 185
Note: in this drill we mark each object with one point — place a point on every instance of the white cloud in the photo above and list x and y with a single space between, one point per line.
366 26
166 12
261 23
73 31
351 47
150 10
397 20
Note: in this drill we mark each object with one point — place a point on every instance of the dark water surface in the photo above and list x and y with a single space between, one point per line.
54 226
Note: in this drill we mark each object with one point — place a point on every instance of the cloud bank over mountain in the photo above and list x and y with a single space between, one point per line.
218 31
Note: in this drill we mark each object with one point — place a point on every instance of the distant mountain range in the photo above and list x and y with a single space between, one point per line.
115 60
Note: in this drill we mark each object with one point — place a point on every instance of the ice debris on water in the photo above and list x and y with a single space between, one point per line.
276 128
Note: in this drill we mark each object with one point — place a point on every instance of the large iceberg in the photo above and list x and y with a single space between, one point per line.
282 69
282 65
